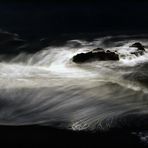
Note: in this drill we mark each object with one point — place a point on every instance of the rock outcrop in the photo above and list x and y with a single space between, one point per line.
140 49
97 54
138 45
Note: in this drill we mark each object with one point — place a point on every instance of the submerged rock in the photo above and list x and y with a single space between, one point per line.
97 54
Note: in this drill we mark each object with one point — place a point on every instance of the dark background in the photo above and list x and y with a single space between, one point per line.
36 19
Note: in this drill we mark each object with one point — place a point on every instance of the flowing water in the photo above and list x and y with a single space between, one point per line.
47 88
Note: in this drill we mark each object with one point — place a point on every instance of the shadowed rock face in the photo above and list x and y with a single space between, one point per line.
97 54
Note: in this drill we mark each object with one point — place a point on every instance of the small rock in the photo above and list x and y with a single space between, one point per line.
138 45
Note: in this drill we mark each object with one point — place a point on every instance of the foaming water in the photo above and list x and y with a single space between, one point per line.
47 88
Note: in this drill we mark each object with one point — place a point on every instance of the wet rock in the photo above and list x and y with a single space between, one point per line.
138 45
140 49
97 54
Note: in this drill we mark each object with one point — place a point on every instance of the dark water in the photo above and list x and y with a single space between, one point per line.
40 85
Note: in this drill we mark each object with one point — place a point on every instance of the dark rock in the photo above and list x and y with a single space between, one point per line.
140 49
138 45
97 54
108 51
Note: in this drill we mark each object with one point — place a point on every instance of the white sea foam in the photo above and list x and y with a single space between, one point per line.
47 87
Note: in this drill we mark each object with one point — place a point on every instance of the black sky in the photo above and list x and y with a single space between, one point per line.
56 17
